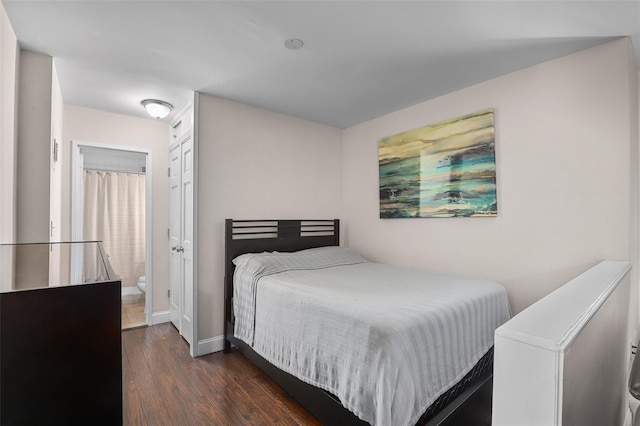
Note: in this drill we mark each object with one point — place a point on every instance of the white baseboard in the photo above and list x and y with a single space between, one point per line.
210 345
160 317
205 346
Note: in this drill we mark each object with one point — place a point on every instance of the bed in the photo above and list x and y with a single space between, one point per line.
357 342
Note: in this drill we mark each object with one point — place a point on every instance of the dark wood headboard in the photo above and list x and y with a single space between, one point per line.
256 236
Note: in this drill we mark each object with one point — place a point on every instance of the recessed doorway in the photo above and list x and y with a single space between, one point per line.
111 202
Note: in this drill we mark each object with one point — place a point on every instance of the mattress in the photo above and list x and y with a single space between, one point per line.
386 341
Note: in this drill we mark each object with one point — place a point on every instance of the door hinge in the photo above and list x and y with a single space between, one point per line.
169 294
168 233
169 171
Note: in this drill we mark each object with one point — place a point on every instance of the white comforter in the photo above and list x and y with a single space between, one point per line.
386 341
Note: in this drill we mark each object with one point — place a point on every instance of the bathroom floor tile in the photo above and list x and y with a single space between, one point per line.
133 311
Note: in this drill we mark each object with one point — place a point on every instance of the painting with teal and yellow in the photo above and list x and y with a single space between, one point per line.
446 169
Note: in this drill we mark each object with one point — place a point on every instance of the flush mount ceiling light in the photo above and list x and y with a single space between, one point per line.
293 43
157 109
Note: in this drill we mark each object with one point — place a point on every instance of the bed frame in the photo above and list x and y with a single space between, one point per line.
469 405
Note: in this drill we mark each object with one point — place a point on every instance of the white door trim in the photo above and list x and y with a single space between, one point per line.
196 106
77 202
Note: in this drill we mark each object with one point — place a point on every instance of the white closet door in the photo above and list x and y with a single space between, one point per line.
182 179
181 226
186 296
175 220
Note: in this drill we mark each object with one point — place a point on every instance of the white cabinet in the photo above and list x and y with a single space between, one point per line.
182 126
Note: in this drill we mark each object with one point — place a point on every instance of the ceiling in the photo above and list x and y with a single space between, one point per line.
360 60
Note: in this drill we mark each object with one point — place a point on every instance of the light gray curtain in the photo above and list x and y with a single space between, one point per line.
114 212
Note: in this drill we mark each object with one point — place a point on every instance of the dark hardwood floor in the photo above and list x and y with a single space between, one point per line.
163 385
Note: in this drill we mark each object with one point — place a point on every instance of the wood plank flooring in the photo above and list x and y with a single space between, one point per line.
163 385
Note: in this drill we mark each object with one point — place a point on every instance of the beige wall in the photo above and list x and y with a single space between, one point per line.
33 150
33 165
564 133
88 125
256 164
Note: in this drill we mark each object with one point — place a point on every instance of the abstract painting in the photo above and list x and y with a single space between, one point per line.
446 169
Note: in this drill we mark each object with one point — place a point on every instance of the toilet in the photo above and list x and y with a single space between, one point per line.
142 283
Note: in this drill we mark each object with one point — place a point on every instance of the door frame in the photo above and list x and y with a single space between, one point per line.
195 347
77 216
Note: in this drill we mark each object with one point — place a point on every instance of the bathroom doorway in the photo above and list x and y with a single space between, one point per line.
112 204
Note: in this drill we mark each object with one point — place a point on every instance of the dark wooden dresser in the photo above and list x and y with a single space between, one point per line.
60 351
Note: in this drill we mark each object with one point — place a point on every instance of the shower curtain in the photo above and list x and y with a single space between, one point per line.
114 212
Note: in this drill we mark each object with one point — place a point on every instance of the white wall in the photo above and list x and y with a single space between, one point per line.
57 123
563 145
9 58
89 125
634 232
256 164
58 264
